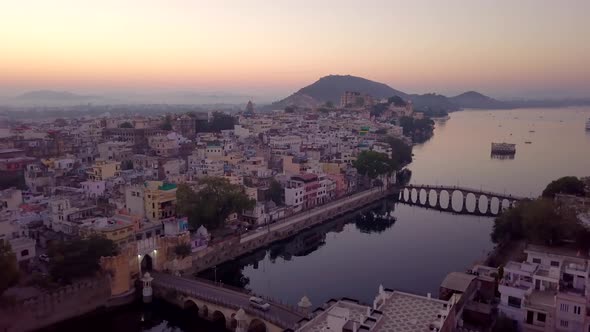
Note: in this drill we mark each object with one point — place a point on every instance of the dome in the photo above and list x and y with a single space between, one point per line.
305 302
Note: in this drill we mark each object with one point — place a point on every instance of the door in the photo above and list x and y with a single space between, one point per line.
530 315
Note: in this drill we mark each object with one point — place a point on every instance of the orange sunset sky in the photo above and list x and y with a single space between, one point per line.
271 48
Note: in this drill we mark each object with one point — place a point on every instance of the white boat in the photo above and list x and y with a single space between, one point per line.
588 124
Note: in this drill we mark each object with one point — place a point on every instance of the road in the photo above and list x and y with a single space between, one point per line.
278 311
305 215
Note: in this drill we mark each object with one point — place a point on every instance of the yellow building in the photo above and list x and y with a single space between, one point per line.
119 232
159 200
103 169
331 168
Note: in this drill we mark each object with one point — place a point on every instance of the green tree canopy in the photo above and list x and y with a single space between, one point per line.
126 124
566 185
397 101
540 221
182 250
167 124
401 152
79 258
219 121
213 203
372 164
9 272
275 192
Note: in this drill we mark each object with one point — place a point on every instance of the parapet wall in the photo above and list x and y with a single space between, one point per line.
64 303
234 248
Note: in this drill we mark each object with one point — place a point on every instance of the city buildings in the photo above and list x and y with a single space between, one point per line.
548 291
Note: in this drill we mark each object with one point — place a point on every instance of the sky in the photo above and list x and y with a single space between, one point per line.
269 49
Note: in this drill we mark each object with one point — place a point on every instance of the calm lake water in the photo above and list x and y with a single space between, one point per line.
353 255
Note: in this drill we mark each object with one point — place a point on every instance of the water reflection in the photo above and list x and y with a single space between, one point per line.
375 218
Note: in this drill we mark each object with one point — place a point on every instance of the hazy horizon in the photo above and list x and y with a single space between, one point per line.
266 51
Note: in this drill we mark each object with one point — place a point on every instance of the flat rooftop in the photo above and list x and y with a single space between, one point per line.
401 312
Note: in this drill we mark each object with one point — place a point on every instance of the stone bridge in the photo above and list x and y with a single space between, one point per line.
421 195
227 307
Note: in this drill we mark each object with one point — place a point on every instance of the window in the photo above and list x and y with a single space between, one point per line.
541 317
514 301
577 310
537 260
555 263
24 253
564 307
563 323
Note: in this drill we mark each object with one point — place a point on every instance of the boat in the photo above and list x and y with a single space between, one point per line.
528 142
531 131
503 148
588 124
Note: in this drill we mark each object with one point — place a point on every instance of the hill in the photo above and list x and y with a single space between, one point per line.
473 99
331 88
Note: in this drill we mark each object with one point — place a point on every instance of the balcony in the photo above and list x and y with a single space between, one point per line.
569 289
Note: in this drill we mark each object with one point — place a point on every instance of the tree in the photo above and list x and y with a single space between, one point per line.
213 203
275 192
540 221
79 258
182 250
401 152
9 274
167 124
418 129
219 121
570 185
397 101
508 225
372 164
126 124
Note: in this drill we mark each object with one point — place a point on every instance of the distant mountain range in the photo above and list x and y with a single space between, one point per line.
330 88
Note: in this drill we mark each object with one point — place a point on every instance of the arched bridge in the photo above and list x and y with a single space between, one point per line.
224 306
430 197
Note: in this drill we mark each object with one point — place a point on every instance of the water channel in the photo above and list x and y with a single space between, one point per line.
405 247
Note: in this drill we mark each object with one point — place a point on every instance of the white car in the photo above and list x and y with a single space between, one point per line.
259 303
44 258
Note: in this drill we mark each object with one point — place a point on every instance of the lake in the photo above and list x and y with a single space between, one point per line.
351 256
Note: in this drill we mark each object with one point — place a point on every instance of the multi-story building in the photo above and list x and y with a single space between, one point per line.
164 146
114 151
355 99
10 199
159 200
548 291
104 169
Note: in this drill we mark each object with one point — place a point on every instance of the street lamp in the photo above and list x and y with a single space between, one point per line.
215 273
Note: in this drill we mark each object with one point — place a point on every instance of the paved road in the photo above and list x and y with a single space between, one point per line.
285 315
306 215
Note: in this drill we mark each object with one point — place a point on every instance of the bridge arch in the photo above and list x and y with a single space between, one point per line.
406 195
218 318
445 194
457 203
422 196
256 325
467 202
483 204
191 307
414 195
432 198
